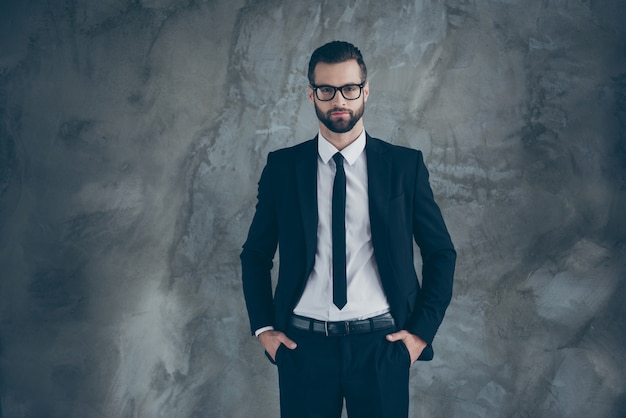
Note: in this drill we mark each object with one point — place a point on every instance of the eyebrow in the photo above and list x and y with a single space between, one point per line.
343 85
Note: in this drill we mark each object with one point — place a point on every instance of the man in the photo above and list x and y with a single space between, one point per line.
348 316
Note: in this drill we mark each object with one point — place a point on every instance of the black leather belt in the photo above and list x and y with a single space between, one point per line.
341 328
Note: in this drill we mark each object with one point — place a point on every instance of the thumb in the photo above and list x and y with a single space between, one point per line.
394 337
288 342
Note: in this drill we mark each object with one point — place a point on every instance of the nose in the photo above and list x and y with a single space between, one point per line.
338 100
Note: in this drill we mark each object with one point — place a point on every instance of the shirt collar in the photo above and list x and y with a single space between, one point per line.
326 150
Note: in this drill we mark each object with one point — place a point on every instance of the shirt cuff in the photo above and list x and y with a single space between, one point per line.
260 330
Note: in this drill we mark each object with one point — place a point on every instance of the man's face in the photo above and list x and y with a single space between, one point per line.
339 115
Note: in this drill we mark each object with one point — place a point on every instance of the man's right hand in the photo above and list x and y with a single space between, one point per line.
271 340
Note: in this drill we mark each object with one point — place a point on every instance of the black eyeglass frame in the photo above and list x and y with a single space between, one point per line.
360 86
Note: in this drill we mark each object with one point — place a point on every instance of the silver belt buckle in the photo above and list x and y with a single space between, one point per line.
326 327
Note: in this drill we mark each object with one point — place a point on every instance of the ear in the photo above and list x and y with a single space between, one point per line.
366 91
310 94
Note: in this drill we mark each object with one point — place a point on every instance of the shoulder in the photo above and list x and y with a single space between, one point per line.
293 154
283 163
395 152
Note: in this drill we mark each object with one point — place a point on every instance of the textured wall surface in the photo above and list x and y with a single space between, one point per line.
132 135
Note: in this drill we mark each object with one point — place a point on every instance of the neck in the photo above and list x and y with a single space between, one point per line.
340 141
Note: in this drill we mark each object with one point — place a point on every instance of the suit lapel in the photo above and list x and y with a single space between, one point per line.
306 178
379 180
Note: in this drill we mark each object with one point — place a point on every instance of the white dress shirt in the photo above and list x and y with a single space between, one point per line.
366 297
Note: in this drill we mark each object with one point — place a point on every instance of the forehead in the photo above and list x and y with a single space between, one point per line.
339 74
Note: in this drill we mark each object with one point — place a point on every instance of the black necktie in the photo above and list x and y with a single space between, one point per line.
339 234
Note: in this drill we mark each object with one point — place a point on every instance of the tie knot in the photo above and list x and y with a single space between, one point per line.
338 159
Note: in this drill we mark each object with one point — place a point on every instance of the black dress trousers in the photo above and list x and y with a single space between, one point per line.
369 372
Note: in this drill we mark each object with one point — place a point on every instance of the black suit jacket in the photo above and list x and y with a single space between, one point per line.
402 209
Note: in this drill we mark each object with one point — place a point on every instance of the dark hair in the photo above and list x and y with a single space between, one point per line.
334 53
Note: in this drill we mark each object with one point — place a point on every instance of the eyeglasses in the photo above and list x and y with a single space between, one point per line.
327 93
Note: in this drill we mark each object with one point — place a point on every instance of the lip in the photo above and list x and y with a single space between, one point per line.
339 114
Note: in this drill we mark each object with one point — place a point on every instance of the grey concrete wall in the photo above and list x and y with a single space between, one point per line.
132 135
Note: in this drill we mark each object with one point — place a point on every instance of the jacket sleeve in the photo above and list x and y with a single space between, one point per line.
438 258
258 254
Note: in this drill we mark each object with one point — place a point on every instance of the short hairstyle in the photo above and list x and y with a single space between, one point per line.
336 52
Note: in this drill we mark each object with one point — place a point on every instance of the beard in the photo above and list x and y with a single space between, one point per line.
343 125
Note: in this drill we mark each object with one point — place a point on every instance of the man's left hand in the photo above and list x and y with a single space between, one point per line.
413 343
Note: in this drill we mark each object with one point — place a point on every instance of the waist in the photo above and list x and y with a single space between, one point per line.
342 328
